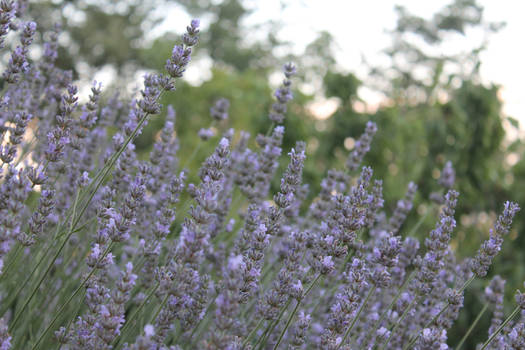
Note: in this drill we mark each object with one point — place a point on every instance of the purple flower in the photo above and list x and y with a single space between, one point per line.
219 111
490 248
206 134
437 245
448 176
181 54
362 146
283 95
402 209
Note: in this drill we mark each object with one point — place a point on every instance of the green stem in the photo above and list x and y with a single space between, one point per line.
419 223
40 260
335 286
71 321
33 293
259 324
272 125
361 308
472 326
116 155
66 303
195 150
39 283
84 225
392 303
71 228
206 314
159 309
491 338
192 155
107 168
272 326
14 296
287 325
263 336
414 339
175 338
295 311
12 261
392 331
25 150
134 315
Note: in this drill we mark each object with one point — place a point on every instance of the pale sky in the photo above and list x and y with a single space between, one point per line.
359 28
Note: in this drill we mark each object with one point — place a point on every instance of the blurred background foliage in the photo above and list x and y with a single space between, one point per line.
435 107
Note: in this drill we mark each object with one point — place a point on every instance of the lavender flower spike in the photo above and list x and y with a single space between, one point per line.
437 245
181 54
7 11
448 176
403 207
299 331
362 146
490 248
283 94
219 111
18 62
5 338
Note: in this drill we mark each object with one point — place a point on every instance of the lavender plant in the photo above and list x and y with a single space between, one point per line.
93 255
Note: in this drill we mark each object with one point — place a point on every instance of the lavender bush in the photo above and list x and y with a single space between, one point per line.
92 256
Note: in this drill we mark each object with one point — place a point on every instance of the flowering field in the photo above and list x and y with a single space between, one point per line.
105 249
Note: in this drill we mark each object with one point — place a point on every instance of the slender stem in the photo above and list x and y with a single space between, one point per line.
40 260
272 326
196 149
361 308
392 331
23 286
33 293
472 326
414 339
287 325
71 322
396 298
419 223
116 155
26 149
134 315
159 309
107 168
491 338
14 258
259 324
176 336
192 155
263 336
84 225
71 228
295 311
39 283
206 314
66 303
272 125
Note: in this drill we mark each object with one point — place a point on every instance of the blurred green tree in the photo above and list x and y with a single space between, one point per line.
97 33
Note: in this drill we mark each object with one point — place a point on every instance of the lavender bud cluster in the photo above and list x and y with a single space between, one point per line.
283 94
